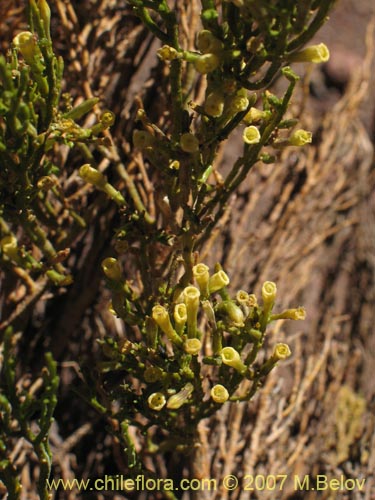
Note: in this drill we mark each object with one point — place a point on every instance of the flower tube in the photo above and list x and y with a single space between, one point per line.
315 54
191 296
232 358
156 401
202 276
161 317
180 317
218 281
192 346
219 394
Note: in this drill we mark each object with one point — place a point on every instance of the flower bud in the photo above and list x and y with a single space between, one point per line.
314 53
281 352
232 311
219 394
112 269
202 276
156 401
192 346
218 281
238 103
214 103
209 311
189 143
161 317
206 63
251 135
180 398
232 358
9 246
167 53
300 138
253 301
207 42
45 15
254 115
92 176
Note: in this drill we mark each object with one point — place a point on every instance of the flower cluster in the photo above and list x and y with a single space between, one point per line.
197 348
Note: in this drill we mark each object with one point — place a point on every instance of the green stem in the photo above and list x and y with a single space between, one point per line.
133 191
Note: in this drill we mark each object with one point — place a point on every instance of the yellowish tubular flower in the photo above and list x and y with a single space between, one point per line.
180 317
180 314
156 401
201 275
161 317
189 143
232 358
191 296
45 14
254 115
107 119
180 398
168 53
142 139
315 54
9 246
152 374
112 269
207 42
296 314
219 394
251 135
214 104
218 281
253 301
242 297
92 176
192 346
238 103
300 138
99 180
27 45
206 63
269 290
243 300
281 352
